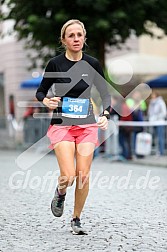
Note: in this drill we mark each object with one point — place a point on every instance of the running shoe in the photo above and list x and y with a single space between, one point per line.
76 227
57 204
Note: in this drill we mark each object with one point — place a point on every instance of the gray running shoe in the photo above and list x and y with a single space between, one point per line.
76 227
57 205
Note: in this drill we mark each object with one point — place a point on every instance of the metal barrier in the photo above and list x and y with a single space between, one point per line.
2 122
34 129
112 147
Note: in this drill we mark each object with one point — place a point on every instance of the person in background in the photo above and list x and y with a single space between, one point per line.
137 107
31 109
11 106
157 112
120 108
96 112
125 133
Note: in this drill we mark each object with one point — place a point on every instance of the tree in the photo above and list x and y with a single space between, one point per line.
106 21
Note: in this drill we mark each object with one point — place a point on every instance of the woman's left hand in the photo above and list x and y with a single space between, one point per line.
102 122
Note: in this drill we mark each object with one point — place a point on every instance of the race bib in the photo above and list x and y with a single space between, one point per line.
75 107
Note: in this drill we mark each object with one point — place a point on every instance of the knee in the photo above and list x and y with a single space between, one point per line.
83 180
67 179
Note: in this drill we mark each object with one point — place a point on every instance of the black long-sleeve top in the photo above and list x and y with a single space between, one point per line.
74 79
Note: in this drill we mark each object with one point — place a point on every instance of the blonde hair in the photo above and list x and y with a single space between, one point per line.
71 22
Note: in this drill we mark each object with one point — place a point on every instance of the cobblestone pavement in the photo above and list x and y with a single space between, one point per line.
119 215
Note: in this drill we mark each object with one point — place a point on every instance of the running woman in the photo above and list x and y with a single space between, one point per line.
73 131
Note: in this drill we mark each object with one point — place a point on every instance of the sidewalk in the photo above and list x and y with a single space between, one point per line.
153 160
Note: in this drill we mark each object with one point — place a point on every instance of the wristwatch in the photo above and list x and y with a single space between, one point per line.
106 115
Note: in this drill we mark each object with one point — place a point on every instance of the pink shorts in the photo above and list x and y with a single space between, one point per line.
78 134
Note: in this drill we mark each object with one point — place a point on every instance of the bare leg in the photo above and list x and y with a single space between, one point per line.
65 152
84 156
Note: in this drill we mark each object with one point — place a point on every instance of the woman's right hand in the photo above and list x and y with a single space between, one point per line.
51 103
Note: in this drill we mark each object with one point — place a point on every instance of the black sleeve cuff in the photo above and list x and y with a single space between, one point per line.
106 115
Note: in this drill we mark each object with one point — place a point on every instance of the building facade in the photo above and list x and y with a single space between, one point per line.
14 65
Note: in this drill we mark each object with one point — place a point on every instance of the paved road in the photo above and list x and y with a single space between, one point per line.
125 211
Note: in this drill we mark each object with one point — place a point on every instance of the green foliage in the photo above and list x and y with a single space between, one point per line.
106 21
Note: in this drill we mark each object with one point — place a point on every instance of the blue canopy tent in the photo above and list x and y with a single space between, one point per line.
31 83
160 82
